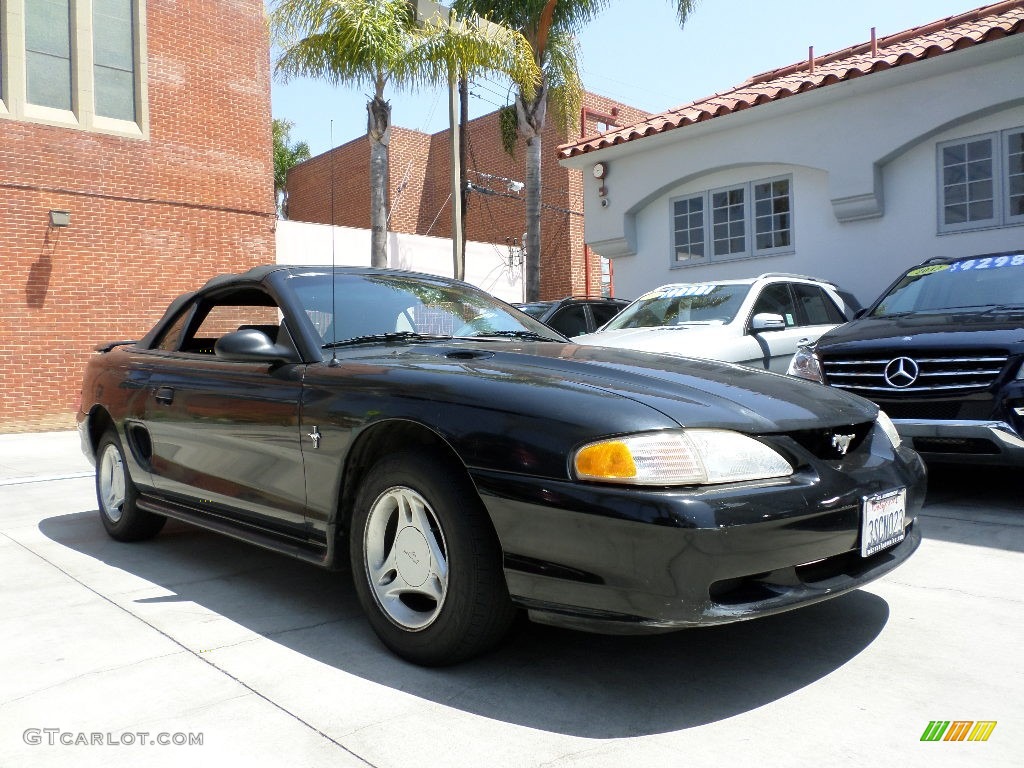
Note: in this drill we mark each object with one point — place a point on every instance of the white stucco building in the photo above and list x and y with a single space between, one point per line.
849 166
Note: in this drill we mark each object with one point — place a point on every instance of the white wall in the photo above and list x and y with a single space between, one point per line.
486 264
862 155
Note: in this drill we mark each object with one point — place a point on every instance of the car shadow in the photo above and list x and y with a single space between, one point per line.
974 505
541 677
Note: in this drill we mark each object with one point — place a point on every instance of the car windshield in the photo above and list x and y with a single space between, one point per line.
680 304
383 308
989 282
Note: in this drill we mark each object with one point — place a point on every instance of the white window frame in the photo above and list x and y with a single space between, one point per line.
1009 218
82 115
999 141
749 211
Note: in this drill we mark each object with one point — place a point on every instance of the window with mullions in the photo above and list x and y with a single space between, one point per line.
771 215
74 63
728 219
752 219
688 221
1015 176
981 181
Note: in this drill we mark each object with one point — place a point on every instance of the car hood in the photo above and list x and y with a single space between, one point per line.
696 340
928 331
690 392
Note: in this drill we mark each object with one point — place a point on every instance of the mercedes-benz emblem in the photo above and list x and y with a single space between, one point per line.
902 372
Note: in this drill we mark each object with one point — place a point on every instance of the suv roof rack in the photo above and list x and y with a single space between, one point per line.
802 277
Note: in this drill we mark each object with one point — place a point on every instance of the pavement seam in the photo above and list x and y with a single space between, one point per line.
44 478
196 655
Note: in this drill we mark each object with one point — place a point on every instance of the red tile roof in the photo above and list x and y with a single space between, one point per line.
990 22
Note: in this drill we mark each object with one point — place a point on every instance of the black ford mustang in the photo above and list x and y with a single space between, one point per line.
468 461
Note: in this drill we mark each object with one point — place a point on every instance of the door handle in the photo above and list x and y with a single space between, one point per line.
164 395
802 341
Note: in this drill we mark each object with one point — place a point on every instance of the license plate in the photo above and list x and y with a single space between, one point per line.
882 521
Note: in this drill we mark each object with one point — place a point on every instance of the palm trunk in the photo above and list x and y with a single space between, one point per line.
378 130
531 124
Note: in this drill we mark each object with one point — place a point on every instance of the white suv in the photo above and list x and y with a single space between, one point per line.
758 321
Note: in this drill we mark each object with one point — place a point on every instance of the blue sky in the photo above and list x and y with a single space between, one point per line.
636 53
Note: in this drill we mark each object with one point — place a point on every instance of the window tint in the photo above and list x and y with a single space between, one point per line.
776 299
570 321
603 313
818 307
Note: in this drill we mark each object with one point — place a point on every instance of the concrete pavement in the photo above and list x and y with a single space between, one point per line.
268 662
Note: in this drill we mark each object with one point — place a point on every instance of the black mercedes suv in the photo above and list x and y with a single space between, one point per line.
942 353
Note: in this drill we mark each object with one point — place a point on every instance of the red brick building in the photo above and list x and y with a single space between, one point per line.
419 188
135 161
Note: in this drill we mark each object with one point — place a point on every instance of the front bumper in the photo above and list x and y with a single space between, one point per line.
631 560
964 441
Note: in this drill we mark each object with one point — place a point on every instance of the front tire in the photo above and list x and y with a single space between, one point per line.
426 562
117 495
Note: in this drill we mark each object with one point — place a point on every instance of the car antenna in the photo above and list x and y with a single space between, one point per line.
334 301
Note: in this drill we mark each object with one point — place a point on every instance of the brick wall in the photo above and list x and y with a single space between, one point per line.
419 188
150 218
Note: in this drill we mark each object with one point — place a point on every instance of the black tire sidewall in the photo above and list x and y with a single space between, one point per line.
476 609
135 524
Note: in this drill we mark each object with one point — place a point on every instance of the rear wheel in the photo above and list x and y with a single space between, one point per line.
426 562
117 495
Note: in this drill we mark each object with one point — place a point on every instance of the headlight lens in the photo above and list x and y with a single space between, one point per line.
805 365
694 456
889 428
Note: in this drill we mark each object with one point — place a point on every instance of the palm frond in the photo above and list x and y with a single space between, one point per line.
565 88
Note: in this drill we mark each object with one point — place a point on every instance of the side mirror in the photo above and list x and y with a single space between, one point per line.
251 346
765 321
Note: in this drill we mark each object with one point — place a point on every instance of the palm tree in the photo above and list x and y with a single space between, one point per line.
549 27
376 43
286 157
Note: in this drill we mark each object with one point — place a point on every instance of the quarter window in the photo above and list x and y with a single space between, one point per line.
981 181
752 219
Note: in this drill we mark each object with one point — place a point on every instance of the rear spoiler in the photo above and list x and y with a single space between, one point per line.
111 344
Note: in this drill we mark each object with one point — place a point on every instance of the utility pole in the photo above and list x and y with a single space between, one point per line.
427 10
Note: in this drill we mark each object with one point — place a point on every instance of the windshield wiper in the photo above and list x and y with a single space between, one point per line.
528 335
395 337
1003 308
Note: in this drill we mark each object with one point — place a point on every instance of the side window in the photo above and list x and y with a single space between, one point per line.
570 321
818 307
603 313
226 314
776 299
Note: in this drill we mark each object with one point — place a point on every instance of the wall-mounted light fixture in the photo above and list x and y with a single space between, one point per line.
60 218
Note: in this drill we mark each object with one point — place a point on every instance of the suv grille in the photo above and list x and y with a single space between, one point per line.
922 371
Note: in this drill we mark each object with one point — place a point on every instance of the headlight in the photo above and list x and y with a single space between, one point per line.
805 365
694 456
889 428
